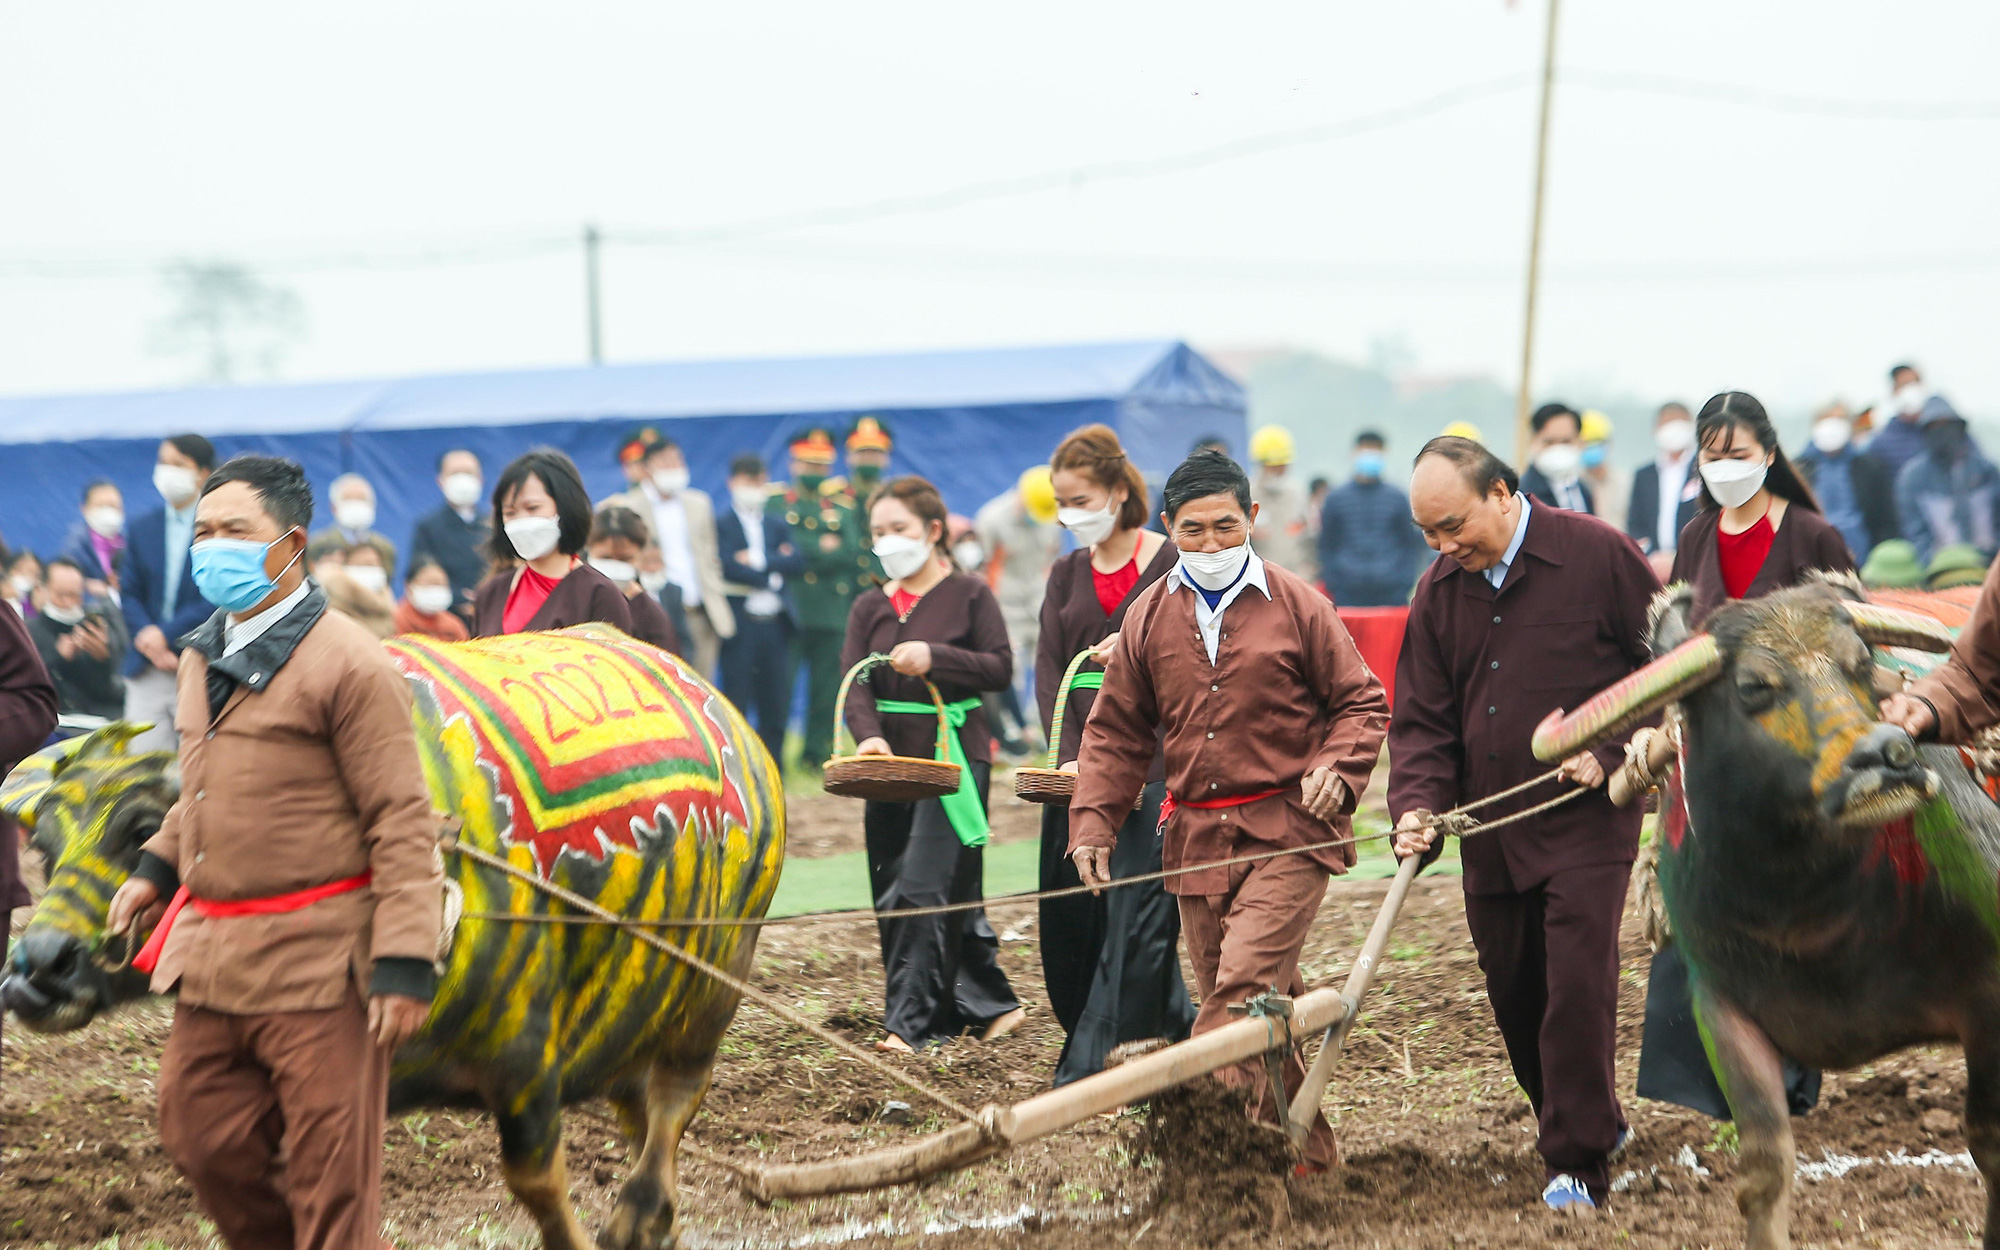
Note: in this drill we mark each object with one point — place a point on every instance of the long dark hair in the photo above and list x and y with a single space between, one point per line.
1736 410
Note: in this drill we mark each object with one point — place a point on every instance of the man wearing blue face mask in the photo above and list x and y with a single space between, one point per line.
1270 723
300 852
1369 550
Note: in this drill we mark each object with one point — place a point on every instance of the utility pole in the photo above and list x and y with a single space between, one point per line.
591 239
1521 405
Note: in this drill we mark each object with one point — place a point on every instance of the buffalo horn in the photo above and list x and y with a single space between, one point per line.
1883 626
1687 667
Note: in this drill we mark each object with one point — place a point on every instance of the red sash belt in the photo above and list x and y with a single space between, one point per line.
149 954
1169 803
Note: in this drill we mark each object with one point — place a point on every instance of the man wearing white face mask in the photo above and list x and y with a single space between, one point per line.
757 557
1897 440
1272 726
1666 493
1854 490
353 500
455 536
96 543
158 597
1555 469
684 526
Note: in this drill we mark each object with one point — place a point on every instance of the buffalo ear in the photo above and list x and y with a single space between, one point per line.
1843 585
1669 621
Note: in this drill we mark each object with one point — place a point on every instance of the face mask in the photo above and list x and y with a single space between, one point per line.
354 514
1558 461
1910 398
64 616
867 474
1674 437
462 490
901 556
1368 464
670 481
230 574
616 570
654 580
533 536
430 600
1090 526
23 586
809 483
1593 456
748 498
1216 570
970 555
1830 434
1734 482
368 577
175 484
105 522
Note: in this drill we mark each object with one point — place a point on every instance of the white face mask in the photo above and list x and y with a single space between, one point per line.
969 554
671 481
462 490
654 580
354 514
23 586
1558 461
105 522
1674 437
430 600
901 556
533 536
616 570
64 616
1090 527
748 498
1216 570
1734 482
175 483
1830 434
1910 398
368 576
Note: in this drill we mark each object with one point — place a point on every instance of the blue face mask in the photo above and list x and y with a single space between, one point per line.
1593 455
1368 464
229 572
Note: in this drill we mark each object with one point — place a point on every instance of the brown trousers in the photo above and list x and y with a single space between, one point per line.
1245 942
240 1092
1550 956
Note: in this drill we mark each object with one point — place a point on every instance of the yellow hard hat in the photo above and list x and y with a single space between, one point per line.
1595 427
1271 445
1462 429
1038 493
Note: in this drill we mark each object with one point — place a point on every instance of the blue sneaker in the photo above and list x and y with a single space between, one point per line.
1618 1148
1565 1192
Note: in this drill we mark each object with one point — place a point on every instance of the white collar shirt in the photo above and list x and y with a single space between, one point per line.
1673 484
237 635
765 602
1498 573
1210 619
670 526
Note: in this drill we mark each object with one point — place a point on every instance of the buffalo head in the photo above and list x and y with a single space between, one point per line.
1780 694
89 804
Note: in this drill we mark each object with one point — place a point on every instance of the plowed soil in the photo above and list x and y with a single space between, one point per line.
1438 1142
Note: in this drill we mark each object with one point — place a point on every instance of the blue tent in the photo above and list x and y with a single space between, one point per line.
970 421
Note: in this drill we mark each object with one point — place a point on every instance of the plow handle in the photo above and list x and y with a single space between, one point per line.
1299 1119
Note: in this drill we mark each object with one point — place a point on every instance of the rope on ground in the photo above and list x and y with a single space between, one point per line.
696 962
1455 822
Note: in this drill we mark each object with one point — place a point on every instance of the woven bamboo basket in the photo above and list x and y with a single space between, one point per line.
1051 784
888 778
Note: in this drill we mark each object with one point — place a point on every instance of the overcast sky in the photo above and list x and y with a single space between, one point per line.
1693 243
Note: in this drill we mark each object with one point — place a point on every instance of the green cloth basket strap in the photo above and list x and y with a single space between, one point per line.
1073 679
962 807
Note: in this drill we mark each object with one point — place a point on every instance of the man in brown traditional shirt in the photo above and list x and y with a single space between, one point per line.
1273 723
1962 696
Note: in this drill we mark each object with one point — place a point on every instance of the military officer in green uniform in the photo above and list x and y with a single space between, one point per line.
830 532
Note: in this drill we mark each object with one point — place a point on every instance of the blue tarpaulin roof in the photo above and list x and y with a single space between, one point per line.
969 420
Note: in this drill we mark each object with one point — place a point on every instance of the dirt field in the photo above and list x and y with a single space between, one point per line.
1438 1142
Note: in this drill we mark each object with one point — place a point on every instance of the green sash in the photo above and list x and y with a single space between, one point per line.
966 813
1088 681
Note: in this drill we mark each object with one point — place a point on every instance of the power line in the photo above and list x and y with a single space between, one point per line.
1780 102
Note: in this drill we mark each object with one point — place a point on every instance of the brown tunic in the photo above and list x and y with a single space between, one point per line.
582 596
1073 620
970 655
650 622
1803 540
1288 693
1479 670
1965 689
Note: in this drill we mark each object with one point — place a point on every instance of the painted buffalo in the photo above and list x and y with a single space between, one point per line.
1834 888
596 762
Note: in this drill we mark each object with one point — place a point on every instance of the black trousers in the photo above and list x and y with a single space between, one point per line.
817 651
1111 961
943 972
1550 956
757 673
